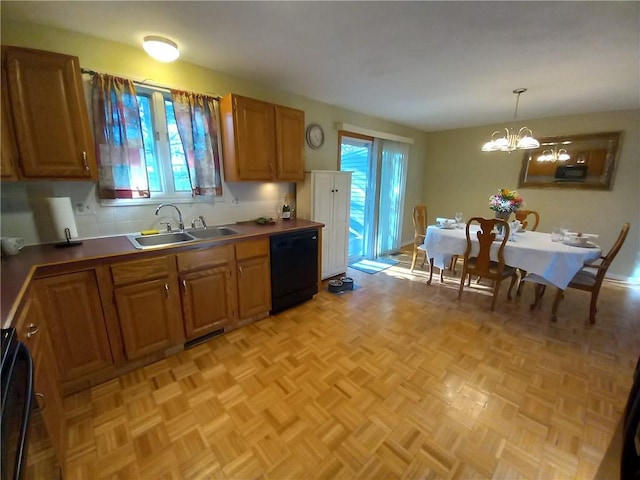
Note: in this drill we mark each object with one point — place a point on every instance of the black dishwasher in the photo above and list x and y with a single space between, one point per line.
294 268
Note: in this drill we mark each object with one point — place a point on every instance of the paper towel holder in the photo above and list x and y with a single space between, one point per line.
68 243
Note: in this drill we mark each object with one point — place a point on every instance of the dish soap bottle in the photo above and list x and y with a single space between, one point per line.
286 209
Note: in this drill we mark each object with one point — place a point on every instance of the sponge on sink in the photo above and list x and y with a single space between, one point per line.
149 232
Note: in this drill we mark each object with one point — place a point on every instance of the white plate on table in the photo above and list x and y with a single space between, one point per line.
447 226
579 244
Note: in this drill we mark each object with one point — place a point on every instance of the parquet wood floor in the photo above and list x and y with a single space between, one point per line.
396 379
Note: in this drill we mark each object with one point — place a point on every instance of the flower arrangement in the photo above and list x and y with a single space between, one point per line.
505 201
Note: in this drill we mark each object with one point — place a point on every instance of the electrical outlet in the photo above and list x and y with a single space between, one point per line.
83 208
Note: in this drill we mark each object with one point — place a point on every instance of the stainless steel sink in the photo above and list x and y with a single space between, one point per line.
164 239
161 239
212 232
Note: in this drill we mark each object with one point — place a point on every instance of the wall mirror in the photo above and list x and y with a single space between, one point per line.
572 161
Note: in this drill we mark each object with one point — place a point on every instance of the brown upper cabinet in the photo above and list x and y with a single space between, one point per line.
48 114
261 141
9 155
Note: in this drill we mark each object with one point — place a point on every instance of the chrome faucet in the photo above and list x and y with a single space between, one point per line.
201 218
181 224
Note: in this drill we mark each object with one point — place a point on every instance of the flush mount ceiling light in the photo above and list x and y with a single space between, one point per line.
509 139
161 48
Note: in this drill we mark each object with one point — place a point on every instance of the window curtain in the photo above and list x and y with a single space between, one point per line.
197 119
122 170
393 181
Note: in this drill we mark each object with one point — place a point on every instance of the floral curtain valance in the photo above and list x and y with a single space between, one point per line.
122 170
197 118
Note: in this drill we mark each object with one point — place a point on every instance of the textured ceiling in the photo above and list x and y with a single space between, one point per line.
429 65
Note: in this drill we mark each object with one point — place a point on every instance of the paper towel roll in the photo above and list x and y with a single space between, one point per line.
62 217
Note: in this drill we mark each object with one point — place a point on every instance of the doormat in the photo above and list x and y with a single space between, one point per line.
373 266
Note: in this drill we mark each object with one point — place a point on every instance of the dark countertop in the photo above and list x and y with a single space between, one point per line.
16 271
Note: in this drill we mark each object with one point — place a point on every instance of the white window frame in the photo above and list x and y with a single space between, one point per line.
163 154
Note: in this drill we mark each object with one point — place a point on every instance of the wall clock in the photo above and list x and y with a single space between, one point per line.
315 135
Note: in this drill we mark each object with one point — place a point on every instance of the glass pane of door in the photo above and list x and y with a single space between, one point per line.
355 156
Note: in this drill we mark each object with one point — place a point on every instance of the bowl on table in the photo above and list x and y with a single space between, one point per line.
578 239
445 223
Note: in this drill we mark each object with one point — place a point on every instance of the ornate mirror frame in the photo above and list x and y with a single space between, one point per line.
590 163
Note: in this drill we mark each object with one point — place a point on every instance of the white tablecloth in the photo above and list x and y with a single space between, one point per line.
533 252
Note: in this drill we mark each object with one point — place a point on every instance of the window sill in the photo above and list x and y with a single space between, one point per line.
158 199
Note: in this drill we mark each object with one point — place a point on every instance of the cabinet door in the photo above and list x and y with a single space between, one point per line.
49 115
48 395
208 300
9 153
254 286
289 143
33 332
76 322
322 191
149 315
254 139
340 225
322 212
331 193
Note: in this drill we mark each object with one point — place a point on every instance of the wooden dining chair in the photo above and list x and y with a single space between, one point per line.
523 217
419 229
480 263
588 279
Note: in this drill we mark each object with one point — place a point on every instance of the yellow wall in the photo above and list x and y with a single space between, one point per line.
118 59
460 177
447 171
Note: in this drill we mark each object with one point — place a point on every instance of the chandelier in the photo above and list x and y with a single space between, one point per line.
509 139
554 155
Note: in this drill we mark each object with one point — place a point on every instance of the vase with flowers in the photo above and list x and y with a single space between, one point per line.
504 203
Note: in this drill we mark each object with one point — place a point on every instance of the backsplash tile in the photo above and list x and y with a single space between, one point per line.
17 209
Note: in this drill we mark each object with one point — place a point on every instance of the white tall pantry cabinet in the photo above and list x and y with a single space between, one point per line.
325 197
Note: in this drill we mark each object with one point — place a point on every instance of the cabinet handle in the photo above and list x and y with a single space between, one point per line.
84 160
166 288
271 169
240 269
32 330
184 286
44 400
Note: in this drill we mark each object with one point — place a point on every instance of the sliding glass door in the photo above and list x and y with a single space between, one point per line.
377 193
356 156
393 181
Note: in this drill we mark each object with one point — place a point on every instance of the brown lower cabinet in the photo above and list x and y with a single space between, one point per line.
76 322
148 305
47 433
208 290
254 278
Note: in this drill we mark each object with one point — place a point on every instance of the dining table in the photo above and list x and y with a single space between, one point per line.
534 252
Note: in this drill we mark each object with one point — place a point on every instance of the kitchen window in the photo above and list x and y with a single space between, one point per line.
154 144
166 162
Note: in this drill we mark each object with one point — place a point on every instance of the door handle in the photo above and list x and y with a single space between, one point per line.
44 400
32 330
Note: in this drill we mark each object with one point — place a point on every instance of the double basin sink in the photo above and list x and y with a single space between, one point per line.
172 238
